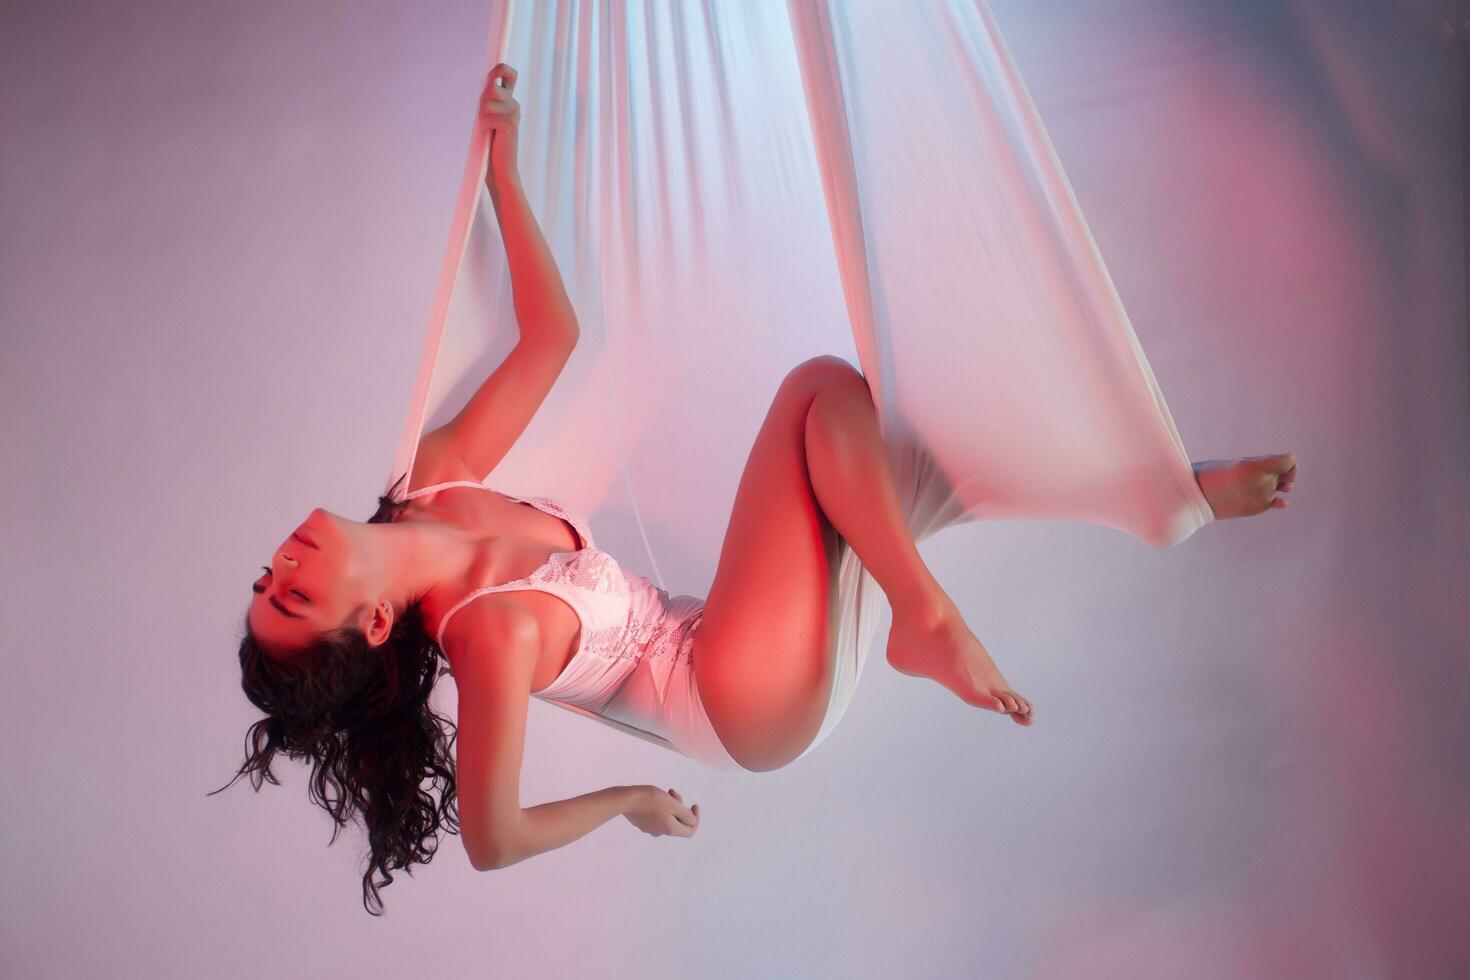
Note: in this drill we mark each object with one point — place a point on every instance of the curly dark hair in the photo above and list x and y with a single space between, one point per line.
362 716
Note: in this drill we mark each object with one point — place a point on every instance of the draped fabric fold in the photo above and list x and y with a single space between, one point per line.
769 169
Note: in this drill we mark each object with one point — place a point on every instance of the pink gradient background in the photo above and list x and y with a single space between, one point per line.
220 228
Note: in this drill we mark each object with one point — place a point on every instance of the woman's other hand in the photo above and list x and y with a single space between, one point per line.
658 813
502 115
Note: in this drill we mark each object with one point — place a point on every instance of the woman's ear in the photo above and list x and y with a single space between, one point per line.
379 623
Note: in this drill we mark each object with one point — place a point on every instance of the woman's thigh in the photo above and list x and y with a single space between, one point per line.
760 654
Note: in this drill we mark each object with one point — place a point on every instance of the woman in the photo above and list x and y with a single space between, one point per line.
344 633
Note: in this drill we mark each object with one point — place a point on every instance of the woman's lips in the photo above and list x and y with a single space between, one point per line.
304 539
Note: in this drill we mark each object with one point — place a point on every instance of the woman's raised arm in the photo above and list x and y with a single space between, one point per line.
543 311
500 409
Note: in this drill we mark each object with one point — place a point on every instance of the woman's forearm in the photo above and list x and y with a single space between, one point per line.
551 825
541 303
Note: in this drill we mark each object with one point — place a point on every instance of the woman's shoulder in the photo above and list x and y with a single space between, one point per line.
494 616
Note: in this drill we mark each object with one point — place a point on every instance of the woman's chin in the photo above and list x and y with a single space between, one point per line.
326 530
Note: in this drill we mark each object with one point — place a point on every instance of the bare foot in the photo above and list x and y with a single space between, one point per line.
1248 486
942 648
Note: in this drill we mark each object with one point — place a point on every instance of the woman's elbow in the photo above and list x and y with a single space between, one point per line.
487 864
484 858
493 859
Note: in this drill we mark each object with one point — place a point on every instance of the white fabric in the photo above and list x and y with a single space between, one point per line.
740 165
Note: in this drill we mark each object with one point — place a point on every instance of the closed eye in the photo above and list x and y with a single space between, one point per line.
257 589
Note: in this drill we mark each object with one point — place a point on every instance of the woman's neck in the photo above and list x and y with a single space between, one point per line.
418 556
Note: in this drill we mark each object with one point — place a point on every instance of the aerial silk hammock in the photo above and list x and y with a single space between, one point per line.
681 155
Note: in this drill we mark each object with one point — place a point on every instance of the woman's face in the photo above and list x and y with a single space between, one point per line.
311 587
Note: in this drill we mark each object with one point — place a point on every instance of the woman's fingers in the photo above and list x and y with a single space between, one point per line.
687 816
497 96
508 74
684 824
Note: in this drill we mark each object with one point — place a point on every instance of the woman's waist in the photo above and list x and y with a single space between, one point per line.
655 638
654 616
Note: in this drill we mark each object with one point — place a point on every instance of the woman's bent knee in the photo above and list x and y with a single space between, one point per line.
816 373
